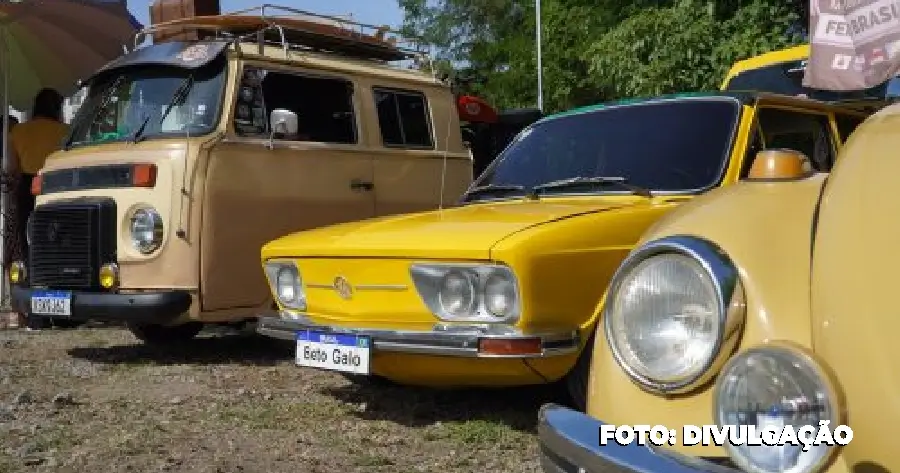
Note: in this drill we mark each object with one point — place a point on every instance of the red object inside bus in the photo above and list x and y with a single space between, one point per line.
474 109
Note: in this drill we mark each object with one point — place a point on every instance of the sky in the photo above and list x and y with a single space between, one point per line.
373 12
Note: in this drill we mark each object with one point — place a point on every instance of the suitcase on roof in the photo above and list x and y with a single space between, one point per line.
168 10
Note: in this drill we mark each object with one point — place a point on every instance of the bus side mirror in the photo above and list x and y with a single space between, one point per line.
282 122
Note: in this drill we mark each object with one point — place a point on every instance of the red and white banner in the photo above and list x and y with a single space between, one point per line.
854 44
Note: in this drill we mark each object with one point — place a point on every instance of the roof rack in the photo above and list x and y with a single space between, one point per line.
293 29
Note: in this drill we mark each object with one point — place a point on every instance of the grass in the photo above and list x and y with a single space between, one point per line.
236 405
279 415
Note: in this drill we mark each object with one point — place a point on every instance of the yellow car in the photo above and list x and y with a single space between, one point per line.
501 289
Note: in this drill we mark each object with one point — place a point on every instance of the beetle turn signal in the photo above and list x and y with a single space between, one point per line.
779 165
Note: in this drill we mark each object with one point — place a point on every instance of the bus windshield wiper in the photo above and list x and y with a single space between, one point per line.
104 102
177 98
493 189
592 181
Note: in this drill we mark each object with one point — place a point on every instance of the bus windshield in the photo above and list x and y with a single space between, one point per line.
134 101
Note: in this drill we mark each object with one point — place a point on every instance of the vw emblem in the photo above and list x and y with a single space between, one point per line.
53 231
343 288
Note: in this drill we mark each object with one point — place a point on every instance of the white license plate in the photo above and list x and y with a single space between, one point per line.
333 351
58 303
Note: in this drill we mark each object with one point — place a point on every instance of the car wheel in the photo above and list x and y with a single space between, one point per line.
153 334
577 379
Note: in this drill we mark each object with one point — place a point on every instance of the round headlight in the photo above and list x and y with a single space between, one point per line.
146 230
670 311
287 284
775 386
457 293
499 295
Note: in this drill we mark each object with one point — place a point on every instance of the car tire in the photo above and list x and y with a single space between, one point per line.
577 379
163 335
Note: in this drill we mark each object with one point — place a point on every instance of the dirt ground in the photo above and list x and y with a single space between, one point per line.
95 400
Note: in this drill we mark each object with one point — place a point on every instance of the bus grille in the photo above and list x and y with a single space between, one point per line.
70 240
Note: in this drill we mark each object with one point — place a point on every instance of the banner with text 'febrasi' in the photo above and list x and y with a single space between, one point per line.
854 44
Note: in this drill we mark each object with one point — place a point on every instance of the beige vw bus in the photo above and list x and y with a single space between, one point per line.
187 156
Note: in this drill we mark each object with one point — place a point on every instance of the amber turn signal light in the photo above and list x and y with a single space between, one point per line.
109 275
17 272
143 175
779 164
36 184
510 346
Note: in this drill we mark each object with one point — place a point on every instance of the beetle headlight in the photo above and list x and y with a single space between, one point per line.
286 284
673 313
146 230
776 386
468 292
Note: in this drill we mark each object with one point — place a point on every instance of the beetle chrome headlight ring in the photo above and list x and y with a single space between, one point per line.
673 313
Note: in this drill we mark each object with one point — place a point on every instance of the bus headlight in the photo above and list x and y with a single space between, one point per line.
146 230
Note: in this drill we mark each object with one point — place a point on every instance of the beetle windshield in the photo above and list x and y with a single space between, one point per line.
120 103
664 146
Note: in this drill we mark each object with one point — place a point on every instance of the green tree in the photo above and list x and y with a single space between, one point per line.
597 50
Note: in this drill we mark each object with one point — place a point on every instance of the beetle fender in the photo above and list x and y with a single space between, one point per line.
765 228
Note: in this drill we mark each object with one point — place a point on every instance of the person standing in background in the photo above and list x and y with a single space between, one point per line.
30 144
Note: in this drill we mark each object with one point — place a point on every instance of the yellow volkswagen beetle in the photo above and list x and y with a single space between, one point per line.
769 304
501 289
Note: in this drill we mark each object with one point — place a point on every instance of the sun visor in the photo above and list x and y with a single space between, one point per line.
186 55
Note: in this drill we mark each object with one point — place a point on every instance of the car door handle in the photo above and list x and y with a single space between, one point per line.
359 185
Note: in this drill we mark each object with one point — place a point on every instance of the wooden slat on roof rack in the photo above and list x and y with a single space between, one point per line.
303 31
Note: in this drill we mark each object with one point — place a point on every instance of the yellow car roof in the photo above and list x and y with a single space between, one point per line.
795 53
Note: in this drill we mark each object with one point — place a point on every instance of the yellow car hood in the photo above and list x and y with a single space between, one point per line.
466 232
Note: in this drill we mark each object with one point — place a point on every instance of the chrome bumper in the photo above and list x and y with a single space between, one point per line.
442 340
570 443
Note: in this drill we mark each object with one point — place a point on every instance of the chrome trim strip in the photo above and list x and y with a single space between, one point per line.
731 305
319 286
442 340
570 442
381 287
363 287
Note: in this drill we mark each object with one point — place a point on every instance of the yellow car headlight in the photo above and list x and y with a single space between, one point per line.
780 385
673 313
468 292
286 284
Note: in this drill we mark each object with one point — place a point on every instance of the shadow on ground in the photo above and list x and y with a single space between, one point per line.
515 408
241 349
